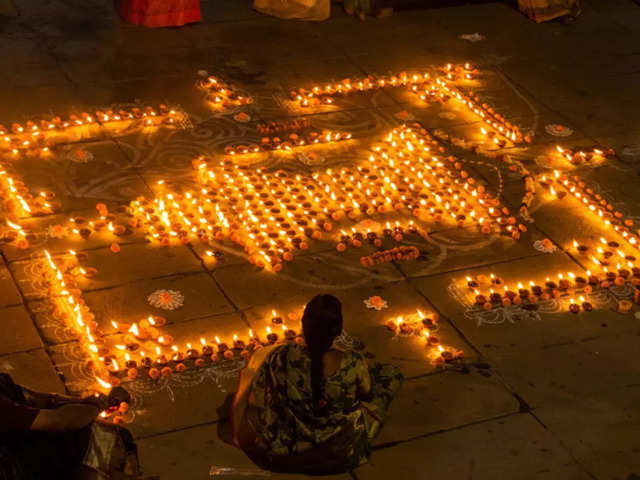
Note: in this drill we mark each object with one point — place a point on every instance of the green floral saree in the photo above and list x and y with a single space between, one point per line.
293 435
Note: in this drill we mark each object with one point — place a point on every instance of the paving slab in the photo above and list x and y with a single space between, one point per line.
20 333
32 369
8 292
584 426
53 331
591 366
105 175
204 447
515 446
7 9
26 60
438 402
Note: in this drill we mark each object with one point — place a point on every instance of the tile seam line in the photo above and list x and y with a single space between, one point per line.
440 431
181 429
28 350
227 297
125 284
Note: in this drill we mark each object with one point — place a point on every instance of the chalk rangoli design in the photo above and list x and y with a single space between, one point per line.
558 130
166 299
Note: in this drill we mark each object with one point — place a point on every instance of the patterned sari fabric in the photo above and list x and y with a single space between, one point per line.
160 13
545 10
293 435
31 455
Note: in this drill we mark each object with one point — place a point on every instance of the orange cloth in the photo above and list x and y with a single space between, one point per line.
160 13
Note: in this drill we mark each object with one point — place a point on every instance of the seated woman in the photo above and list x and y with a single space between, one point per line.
312 408
56 437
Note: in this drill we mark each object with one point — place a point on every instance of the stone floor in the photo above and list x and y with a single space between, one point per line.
551 396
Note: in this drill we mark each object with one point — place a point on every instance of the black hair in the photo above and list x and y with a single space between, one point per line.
321 324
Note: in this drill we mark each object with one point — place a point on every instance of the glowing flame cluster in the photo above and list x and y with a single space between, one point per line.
222 94
271 214
17 199
295 141
424 327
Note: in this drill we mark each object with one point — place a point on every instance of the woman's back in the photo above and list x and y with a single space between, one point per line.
346 381
289 373
299 407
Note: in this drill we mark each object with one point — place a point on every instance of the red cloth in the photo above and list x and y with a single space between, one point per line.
160 13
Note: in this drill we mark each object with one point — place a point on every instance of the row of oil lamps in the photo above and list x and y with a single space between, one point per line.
222 94
564 285
36 137
18 201
324 94
580 156
294 140
425 327
401 253
423 85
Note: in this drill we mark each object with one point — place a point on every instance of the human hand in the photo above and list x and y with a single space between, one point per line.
99 400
